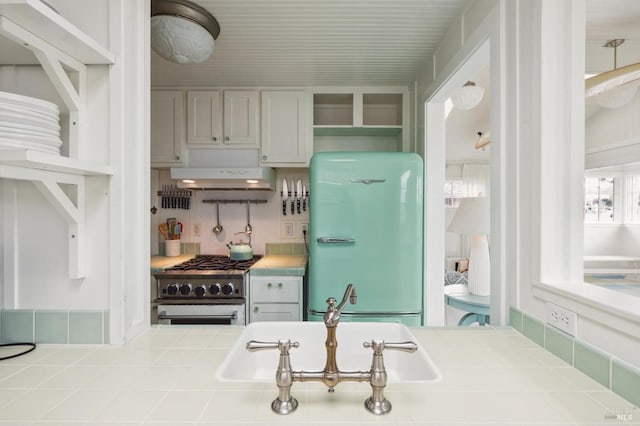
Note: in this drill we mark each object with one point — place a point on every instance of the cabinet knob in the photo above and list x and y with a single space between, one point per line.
177 157
255 309
264 158
215 139
226 138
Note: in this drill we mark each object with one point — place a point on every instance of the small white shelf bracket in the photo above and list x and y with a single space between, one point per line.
70 205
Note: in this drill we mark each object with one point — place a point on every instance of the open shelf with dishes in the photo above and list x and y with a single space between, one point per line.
32 32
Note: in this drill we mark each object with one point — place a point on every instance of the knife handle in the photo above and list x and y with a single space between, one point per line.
298 205
293 208
284 207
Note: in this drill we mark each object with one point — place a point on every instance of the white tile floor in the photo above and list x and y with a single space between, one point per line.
167 377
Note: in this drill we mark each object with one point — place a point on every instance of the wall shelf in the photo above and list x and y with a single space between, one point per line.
64 52
41 161
46 24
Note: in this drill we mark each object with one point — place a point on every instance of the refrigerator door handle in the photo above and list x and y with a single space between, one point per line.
334 240
367 181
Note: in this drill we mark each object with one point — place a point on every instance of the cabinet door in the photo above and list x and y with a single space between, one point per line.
283 127
204 118
167 128
241 119
275 312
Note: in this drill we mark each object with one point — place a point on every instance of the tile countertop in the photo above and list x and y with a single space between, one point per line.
276 264
168 376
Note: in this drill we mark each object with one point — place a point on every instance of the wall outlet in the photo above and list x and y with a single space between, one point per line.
303 229
196 229
562 318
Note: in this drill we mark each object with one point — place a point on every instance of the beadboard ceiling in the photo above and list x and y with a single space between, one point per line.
315 43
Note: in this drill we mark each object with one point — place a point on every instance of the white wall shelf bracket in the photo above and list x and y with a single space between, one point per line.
70 206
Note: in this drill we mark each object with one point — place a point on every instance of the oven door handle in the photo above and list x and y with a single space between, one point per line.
163 316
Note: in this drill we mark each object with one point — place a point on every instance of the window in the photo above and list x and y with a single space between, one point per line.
453 190
599 200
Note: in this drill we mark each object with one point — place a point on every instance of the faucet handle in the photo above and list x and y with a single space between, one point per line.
282 345
380 345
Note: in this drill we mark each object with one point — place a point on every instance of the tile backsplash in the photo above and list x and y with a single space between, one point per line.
54 326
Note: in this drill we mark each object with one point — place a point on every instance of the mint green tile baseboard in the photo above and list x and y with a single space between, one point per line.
515 319
559 344
17 326
533 329
54 326
623 379
592 362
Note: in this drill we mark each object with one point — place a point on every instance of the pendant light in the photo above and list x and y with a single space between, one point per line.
615 88
181 31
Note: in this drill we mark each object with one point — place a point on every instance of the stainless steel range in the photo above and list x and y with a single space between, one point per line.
208 289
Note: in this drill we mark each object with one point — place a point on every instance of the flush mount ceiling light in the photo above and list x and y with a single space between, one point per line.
615 88
181 31
467 97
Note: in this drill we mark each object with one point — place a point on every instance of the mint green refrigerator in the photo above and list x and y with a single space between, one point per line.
366 229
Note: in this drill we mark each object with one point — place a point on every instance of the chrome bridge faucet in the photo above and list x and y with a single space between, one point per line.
331 376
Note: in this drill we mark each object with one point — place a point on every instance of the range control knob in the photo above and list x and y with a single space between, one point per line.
172 289
200 291
227 289
214 289
185 289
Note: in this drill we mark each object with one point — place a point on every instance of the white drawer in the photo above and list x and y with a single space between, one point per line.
275 289
275 312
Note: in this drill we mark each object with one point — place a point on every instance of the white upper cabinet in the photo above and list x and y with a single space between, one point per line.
205 118
241 119
222 119
167 128
284 129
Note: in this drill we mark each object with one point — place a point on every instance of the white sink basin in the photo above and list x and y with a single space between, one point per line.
240 365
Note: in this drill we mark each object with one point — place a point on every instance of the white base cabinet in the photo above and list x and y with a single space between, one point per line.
275 298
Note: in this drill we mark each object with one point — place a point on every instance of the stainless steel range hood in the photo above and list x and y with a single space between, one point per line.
225 178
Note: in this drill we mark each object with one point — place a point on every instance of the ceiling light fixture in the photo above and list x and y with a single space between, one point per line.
181 31
468 96
615 88
483 141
